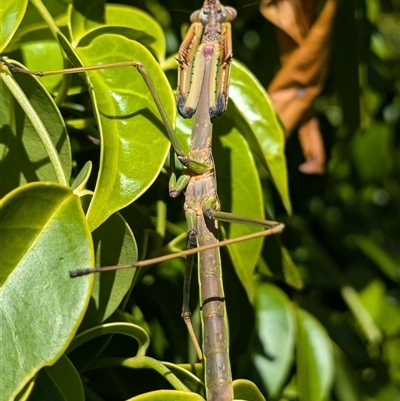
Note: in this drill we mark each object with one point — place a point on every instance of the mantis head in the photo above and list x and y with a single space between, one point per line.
213 10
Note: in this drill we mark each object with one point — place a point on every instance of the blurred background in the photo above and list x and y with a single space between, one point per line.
344 232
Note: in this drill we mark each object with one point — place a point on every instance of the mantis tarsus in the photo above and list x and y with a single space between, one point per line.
204 71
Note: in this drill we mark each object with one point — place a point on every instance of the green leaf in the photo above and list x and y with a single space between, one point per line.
346 386
190 380
240 193
94 15
266 138
167 395
134 145
79 184
114 244
43 54
276 335
127 329
84 17
58 382
141 362
11 14
371 151
152 35
315 365
246 390
290 271
389 266
41 306
39 152
276 262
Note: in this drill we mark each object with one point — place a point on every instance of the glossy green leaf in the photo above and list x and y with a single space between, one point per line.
94 14
246 390
266 138
389 266
11 14
134 145
239 190
167 395
114 244
41 306
26 154
127 329
60 381
276 335
315 364
152 35
32 19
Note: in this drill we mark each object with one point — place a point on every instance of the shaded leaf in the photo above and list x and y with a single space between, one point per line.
114 244
389 266
276 335
187 377
315 364
127 329
26 152
58 382
346 386
371 151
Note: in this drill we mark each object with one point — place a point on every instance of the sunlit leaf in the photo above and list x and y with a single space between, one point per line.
266 138
11 14
246 390
47 236
134 145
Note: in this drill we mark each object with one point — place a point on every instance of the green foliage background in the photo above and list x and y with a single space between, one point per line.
318 318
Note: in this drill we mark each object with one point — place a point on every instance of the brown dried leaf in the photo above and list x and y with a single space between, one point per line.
313 147
304 55
283 14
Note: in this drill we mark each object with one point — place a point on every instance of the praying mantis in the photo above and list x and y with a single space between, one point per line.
204 72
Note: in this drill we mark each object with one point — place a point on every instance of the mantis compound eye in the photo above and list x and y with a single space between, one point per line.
231 13
204 17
